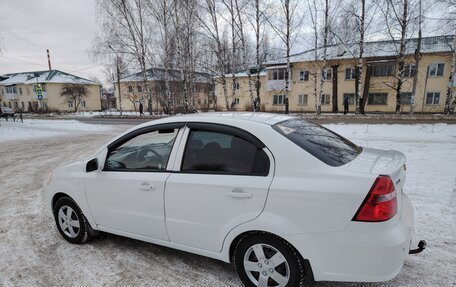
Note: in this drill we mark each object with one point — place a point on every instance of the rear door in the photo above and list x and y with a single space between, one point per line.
220 180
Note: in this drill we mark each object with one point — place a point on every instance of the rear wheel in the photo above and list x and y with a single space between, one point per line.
262 259
71 223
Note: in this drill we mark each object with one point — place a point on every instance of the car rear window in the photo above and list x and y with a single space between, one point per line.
322 143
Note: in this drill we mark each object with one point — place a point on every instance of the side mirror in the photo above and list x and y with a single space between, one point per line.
92 165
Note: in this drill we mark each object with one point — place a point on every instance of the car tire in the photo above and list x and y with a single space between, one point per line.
71 222
263 259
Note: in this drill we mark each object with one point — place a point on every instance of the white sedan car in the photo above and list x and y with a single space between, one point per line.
286 200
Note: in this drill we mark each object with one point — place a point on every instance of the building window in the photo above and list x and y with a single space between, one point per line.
377 99
302 100
304 76
236 101
327 74
350 74
130 89
436 70
406 98
383 69
22 105
351 98
20 90
409 70
83 104
325 98
44 105
278 100
11 89
139 89
236 86
432 98
277 74
16 105
70 104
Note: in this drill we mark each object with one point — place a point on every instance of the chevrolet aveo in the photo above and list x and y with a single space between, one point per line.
286 200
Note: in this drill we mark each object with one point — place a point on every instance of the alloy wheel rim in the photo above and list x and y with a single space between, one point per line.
68 221
266 266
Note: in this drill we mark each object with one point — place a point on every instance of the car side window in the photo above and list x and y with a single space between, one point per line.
222 153
147 151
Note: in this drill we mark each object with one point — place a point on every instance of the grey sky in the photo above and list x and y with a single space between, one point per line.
66 28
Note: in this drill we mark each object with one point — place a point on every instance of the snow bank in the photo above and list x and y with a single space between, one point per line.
34 129
396 132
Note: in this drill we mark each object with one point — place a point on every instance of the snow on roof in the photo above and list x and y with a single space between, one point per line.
245 73
158 74
375 49
48 76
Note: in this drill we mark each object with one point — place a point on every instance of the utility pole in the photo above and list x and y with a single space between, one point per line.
417 62
118 78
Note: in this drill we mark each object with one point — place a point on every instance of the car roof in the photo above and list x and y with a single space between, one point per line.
262 118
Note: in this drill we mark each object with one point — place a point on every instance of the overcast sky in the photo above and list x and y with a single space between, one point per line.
66 28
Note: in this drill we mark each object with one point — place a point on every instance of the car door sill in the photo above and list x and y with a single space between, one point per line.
211 254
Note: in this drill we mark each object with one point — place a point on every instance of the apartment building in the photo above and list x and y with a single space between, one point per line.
199 90
41 91
338 79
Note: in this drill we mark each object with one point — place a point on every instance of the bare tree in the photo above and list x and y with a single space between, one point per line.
398 19
288 21
324 73
74 93
313 11
211 27
162 12
126 28
259 28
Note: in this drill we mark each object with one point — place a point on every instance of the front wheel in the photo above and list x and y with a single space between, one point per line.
264 260
71 223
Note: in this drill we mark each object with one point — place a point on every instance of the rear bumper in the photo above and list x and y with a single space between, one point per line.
363 252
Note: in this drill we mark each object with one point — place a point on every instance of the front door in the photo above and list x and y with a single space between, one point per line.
222 182
127 195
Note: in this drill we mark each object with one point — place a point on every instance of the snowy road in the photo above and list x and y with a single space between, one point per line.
32 253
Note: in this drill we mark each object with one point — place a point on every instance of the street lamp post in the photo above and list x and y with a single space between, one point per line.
118 78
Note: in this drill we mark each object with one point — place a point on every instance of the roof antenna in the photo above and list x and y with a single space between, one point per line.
49 59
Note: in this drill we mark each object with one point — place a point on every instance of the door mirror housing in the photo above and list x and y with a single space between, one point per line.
92 165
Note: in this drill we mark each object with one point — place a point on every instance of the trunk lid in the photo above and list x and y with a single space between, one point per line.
382 162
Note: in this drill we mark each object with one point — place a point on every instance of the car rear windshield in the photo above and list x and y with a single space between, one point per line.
322 143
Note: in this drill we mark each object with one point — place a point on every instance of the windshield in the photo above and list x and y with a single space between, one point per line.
322 143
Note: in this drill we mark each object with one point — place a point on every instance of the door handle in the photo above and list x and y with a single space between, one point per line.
239 193
146 186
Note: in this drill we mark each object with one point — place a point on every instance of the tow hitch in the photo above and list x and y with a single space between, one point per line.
421 246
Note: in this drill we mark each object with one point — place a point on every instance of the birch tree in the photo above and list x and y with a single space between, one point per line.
209 21
288 19
397 20
125 28
162 12
324 72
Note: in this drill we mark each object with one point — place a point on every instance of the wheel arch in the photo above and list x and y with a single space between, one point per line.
56 198
232 246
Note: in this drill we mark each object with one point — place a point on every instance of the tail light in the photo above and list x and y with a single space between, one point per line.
380 203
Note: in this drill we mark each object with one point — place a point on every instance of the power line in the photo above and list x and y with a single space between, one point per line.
24 61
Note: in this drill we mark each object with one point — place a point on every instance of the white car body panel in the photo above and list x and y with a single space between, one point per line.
303 200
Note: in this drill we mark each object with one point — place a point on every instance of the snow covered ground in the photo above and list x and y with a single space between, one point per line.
33 253
33 129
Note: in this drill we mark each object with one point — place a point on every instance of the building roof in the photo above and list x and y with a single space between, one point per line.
48 76
158 74
375 49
